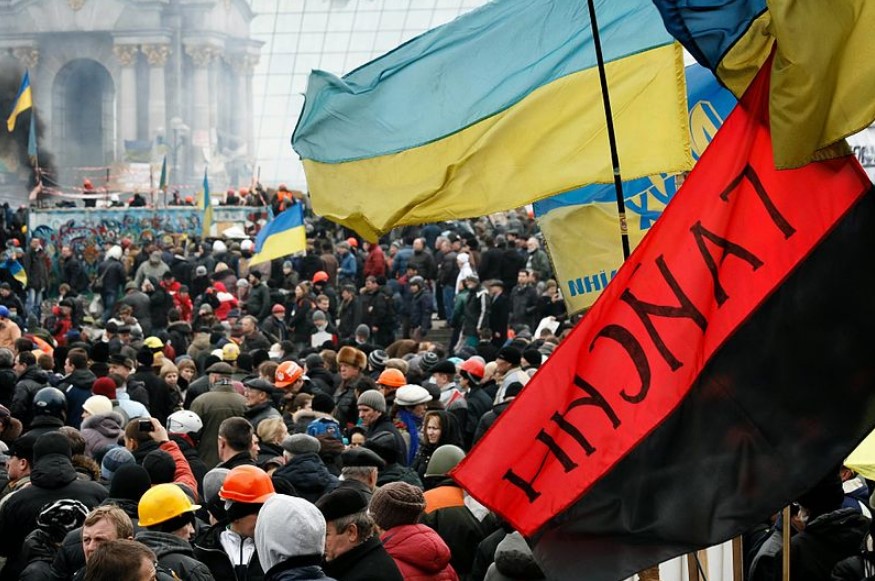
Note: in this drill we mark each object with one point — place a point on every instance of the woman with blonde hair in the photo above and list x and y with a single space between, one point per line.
169 373
271 433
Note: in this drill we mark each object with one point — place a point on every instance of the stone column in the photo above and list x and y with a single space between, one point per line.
127 95
201 57
156 55
243 66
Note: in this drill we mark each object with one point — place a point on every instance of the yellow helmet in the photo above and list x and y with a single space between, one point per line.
153 343
230 352
162 503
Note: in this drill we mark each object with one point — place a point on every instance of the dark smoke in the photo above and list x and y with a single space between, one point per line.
15 143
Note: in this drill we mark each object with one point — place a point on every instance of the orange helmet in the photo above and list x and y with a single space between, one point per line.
320 276
474 367
352 242
392 378
287 373
247 484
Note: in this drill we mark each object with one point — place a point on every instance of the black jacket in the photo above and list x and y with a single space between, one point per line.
308 474
77 388
160 400
209 551
384 424
175 555
368 561
53 478
31 381
8 379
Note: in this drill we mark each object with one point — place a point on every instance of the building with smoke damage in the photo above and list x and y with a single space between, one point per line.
115 80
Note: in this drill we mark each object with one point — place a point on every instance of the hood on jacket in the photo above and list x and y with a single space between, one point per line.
81 378
35 374
418 546
514 559
288 527
53 471
164 543
86 468
109 425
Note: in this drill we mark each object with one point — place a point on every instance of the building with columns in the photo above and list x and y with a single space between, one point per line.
107 72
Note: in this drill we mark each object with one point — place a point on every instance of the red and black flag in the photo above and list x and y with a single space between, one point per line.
725 369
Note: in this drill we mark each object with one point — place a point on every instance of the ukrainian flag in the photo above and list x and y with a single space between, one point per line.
581 227
207 206
821 81
492 111
16 270
282 236
23 102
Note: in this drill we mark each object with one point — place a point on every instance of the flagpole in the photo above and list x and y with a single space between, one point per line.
612 138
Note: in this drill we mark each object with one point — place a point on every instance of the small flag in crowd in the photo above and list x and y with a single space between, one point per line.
23 101
283 235
494 110
162 182
207 207
15 269
722 373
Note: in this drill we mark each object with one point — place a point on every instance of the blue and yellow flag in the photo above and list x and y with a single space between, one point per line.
162 181
824 60
15 269
207 207
23 101
282 236
581 227
494 110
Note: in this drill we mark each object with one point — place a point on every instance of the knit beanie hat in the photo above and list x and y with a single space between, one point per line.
98 405
160 466
322 402
396 504
374 400
377 359
428 360
130 481
113 460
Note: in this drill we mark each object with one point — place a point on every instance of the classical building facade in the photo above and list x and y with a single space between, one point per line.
110 72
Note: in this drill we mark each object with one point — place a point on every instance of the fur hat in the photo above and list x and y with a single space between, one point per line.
352 356
395 504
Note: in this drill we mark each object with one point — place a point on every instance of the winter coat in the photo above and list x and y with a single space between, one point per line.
275 329
421 308
31 381
397 473
419 553
176 555
53 478
160 303
8 379
208 550
446 513
368 561
375 263
815 551
488 419
345 408
350 317
179 333
36 265
384 424
141 307
38 552
258 304
113 273
260 412
214 407
198 468
308 474
101 431
77 388
160 398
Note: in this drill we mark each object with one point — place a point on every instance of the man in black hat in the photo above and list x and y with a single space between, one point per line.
352 551
19 464
508 369
259 401
120 368
360 469
499 312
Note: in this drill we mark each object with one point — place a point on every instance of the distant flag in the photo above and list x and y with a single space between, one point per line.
162 183
494 110
31 139
15 269
580 226
23 101
283 235
820 91
208 207
723 372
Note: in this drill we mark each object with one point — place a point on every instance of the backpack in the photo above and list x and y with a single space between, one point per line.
324 426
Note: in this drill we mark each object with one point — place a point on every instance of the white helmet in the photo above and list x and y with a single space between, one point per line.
246 245
184 422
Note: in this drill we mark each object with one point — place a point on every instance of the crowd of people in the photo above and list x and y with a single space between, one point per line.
183 413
